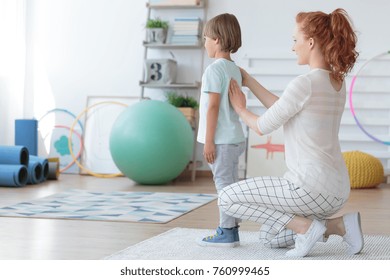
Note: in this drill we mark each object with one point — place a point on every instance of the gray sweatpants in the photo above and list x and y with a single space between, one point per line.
225 172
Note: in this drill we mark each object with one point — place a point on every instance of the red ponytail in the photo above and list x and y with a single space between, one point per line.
335 36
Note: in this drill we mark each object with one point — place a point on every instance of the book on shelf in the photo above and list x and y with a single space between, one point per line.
185 39
186 26
187 19
175 2
186 32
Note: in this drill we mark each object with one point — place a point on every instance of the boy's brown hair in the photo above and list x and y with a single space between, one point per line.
226 28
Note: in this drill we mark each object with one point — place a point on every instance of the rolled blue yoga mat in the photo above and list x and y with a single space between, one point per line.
26 134
18 155
35 174
44 165
12 175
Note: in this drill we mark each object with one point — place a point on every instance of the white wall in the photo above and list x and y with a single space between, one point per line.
267 26
94 47
78 48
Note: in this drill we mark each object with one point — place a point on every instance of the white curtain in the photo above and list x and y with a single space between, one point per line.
12 66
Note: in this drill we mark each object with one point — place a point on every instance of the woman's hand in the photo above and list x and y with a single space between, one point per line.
238 101
237 97
245 77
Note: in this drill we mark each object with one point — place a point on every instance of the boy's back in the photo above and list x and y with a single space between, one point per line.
216 79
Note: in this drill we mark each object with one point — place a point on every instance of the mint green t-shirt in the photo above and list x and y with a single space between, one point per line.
216 79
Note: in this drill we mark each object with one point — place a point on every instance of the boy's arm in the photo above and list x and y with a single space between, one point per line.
209 151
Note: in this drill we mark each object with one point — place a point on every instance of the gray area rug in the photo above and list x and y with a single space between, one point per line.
148 207
180 244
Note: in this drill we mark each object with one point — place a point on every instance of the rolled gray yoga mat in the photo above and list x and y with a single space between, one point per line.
54 170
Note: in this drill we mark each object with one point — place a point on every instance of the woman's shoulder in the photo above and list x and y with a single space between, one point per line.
317 74
304 79
299 87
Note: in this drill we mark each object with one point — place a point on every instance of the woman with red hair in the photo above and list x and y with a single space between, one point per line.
295 209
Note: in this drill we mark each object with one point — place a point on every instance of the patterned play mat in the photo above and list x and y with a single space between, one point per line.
151 207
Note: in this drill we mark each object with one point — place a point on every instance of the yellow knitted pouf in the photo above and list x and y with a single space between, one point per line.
365 170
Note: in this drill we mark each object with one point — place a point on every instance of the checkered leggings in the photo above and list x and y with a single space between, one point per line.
273 202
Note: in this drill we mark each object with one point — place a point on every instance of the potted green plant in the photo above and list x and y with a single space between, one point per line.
157 30
186 104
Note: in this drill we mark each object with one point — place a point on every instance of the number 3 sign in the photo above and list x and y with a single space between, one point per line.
160 71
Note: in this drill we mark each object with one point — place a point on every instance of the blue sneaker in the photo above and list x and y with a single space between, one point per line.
222 238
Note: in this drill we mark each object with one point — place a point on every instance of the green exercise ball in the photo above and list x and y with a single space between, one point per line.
151 142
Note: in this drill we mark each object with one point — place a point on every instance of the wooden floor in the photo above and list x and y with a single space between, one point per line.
31 238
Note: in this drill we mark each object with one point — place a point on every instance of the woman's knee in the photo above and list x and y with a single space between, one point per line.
265 237
270 238
271 243
266 242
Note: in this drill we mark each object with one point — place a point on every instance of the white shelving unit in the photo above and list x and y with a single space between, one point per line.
189 58
194 85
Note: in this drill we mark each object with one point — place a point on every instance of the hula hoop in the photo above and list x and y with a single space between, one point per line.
90 172
66 127
63 111
80 151
351 103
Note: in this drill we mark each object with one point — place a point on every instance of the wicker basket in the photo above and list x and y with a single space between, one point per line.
190 114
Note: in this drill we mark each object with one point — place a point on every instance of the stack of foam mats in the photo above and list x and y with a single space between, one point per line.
18 167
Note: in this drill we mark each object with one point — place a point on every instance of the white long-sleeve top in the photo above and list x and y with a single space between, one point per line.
310 111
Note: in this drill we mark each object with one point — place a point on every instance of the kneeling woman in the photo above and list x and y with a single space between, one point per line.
295 209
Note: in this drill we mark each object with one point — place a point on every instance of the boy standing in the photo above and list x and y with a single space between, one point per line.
219 127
